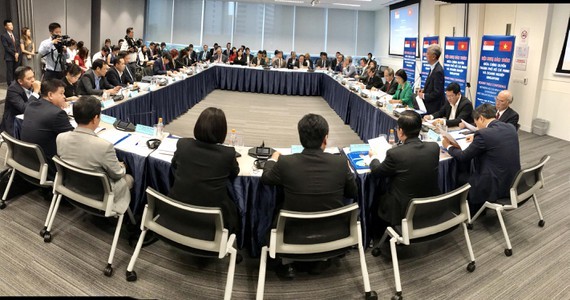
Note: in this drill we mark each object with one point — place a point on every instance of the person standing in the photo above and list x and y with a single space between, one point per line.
433 92
27 48
11 52
54 53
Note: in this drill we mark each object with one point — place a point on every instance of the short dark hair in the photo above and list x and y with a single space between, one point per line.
410 122
53 26
73 69
85 109
247 48
129 30
20 72
312 131
191 46
115 48
163 44
402 73
51 86
7 21
484 110
211 126
98 63
107 40
106 49
118 59
453 87
167 55
122 54
324 53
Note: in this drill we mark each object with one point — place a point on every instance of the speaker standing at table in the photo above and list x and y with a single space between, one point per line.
456 108
204 168
433 92
412 169
495 156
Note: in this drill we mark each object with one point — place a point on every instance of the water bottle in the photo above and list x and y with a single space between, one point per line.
233 138
392 137
159 128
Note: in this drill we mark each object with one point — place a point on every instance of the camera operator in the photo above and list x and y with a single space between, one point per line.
54 51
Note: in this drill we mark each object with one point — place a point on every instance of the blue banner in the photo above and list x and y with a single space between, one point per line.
425 66
455 61
410 59
494 67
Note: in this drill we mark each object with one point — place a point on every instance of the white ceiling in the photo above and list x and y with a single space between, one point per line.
352 4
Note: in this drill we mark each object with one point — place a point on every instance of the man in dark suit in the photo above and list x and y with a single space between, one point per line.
496 157
213 49
129 72
433 92
162 66
278 61
292 60
248 57
116 73
391 85
312 180
192 54
323 62
22 91
11 50
219 57
336 64
228 50
93 82
456 108
412 169
372 80
504 112
44 119
204 55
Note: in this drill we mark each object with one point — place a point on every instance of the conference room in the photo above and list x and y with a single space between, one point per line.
264 106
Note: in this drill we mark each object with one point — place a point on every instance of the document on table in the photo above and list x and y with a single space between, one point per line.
380 146
114 136
463 144
421 104
168 146
469 126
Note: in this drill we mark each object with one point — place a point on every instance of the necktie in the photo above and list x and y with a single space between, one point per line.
219 58
13 40
388 87
498 115
97 79
280 63
128 71
163 66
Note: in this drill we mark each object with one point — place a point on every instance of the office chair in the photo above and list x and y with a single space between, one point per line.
525 185
90 191
311 236
429 218
198 230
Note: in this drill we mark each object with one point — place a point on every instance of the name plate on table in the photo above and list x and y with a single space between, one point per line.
432 135
133 93
359 147
296 149
107 103
108 119
144 129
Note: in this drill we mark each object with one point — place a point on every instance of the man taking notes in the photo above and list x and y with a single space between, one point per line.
456 108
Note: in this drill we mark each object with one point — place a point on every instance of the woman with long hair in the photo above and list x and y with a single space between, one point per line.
28 48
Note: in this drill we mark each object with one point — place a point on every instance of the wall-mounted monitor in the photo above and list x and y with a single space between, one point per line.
404 22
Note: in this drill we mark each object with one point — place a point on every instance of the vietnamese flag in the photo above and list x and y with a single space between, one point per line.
449 45
505 46
413 44
462 46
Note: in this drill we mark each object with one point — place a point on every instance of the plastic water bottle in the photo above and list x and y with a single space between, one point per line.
159 128
233 138
392 137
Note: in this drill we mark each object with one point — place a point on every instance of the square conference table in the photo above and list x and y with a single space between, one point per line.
255 201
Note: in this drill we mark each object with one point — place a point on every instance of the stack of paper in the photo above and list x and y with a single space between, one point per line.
168 146
114 136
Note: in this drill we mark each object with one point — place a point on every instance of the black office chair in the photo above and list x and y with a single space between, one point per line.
198 230
89 191
26 158
525 185
429 218
313 236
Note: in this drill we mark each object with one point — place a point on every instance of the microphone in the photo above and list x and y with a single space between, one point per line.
262 144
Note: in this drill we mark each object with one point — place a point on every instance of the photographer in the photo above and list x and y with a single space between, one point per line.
54 51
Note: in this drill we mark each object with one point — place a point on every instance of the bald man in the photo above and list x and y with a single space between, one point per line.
504 112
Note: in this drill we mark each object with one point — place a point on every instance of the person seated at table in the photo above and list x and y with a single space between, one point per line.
206 184
183 59
229 50
258 60
19 94
504 111
292 60
391 85
45 118
411 167
162 66
192 54
205 55
404 94
93 82
302 63
330 178
348 69
308 59
100 156
174 61
240 58
72 75
373 81
219 57
113 55
267 61
248 57
336 64
233 55
362 72
323 63
81 58
279 62
494 154
457 108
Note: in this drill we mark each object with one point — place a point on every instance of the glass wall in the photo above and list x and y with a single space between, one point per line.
260 26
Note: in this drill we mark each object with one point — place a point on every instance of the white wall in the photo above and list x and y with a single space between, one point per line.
117 16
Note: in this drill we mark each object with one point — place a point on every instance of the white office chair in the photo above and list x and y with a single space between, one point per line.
527 182
88 190
198 230
315 240
26 158
428 218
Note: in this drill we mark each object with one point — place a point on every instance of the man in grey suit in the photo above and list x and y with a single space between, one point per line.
279 62
219 57
100 155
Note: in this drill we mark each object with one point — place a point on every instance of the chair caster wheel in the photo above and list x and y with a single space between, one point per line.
469 226
43 231
397 296
376 252
508 252
541 223
372 295
239 258
471 266
47 237
131 276
2 205
108 270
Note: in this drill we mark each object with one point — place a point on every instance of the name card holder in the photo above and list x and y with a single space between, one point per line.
359 147
107 103
108 119
296 149
133 94
432 135
144 129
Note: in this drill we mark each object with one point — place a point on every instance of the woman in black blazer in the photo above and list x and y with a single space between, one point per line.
240 58
203 167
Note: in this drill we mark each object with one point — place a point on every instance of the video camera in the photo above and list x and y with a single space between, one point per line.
65 40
